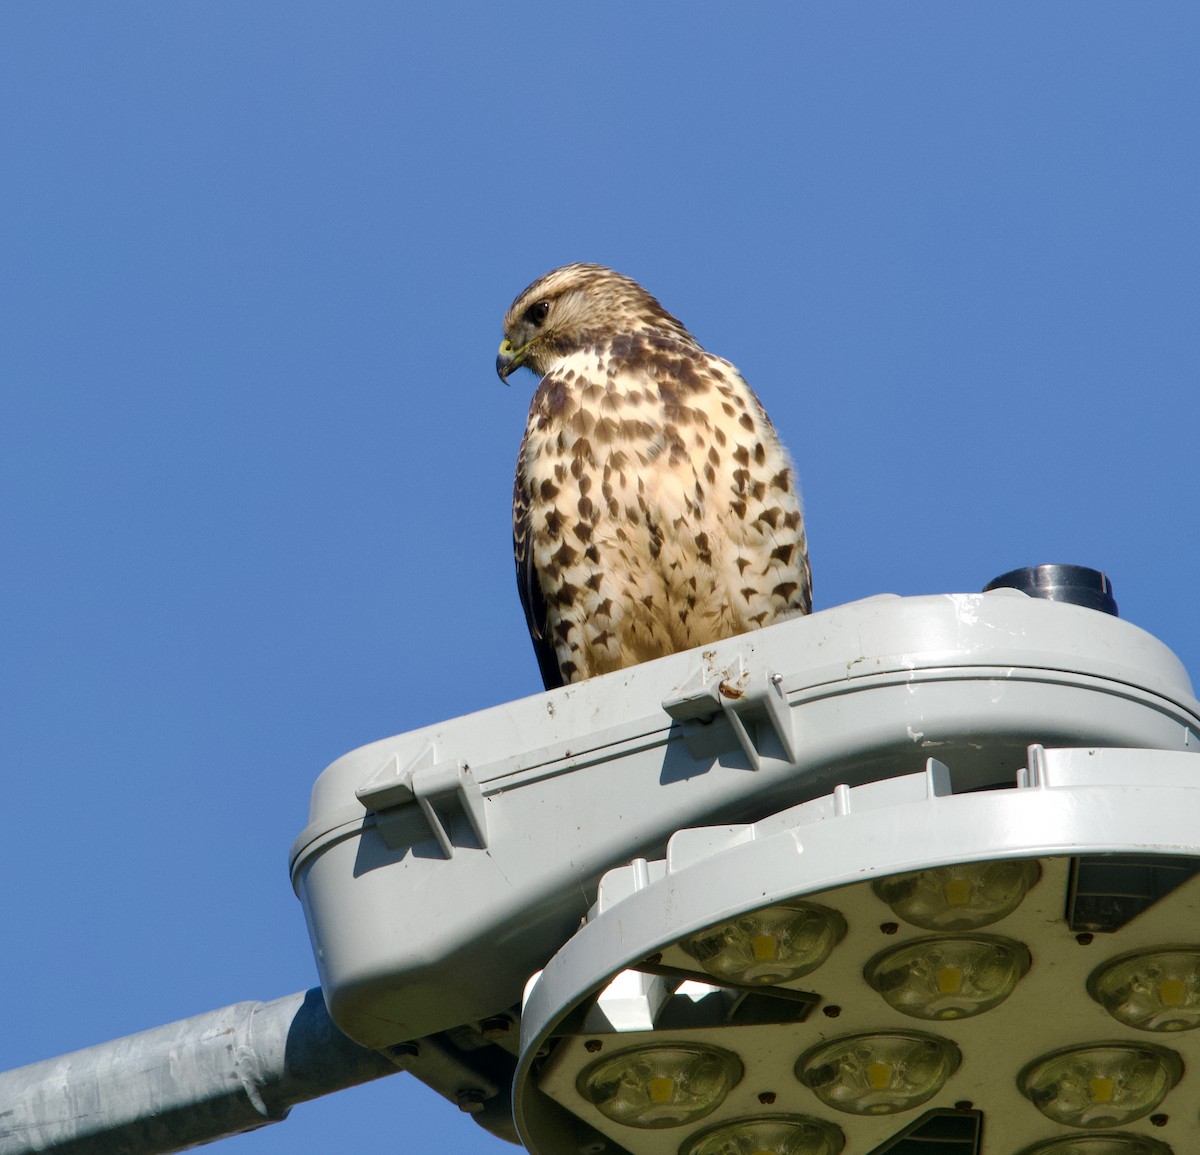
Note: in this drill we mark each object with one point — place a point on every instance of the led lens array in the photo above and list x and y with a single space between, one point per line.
948 978
661 1085
878 1074
965 896
1100 1085
768 1135
955 973
1153 990
931 978
669 1085
1109 1144
769 946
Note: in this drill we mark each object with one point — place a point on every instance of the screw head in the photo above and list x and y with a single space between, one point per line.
495 1027
471 1101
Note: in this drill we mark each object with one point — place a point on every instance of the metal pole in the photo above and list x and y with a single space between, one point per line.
186 1083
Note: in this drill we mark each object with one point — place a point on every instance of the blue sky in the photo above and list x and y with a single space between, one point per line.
255 463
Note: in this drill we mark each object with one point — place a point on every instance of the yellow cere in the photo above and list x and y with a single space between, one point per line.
660 1089
764 947
958 891
949 980
879 1075
1172 992
1102 1089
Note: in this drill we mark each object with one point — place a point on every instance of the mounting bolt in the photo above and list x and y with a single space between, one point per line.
401 1051
471 1101
495 1027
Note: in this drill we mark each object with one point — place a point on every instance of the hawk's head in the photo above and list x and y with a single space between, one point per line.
573 307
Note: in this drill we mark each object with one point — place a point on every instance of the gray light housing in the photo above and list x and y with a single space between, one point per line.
441 867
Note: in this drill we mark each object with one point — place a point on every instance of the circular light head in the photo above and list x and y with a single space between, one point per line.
771 945
964 896
660 1085
1107 1144
1152 990
878 1074
948 978
768 1135
1100 1084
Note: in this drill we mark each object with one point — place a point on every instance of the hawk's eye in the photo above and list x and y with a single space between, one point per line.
537 313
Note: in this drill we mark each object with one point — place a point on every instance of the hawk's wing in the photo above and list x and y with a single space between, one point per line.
532 599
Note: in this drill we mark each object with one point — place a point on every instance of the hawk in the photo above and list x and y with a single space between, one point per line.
654 508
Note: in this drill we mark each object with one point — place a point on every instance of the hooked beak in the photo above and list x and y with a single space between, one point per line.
505 360
509 358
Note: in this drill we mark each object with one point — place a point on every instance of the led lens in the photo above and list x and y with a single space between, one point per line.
772 945
1100 1085
1099 1145
661 1085
769 1135
948 978
964 896
878 1074
1153 990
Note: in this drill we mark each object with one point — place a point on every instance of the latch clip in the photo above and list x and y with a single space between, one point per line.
753 702
443 791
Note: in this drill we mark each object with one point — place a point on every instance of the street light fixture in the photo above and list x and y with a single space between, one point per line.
443 866
905 871
908 876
